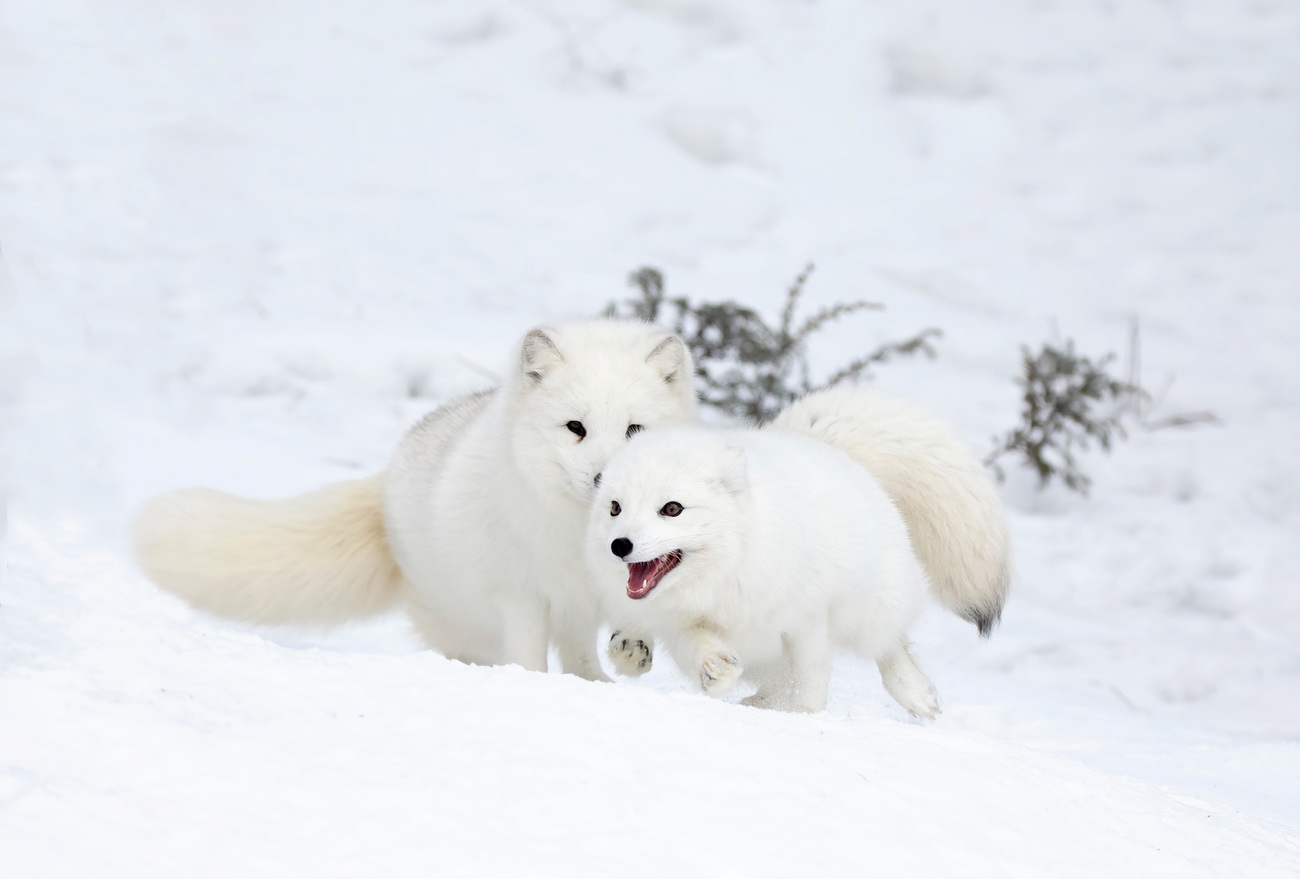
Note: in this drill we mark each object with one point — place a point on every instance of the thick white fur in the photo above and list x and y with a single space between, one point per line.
488 525
318 558
790 550
478 523
951 507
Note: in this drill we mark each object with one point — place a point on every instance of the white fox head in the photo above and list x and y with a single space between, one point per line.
668 513
581 391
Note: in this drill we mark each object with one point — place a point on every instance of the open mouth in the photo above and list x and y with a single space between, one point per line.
644 576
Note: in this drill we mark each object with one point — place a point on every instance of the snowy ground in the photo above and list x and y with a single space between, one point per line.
250 242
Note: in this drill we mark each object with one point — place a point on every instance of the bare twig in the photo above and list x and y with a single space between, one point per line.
1185 419
832 314
919 342
792 301
1143 404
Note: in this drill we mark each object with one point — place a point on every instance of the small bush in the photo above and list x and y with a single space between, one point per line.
1063 393
751 370
746 368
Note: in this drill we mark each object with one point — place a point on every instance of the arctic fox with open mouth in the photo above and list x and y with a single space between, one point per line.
758 554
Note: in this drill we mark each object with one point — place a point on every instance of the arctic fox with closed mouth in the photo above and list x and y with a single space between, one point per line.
757 554
477 527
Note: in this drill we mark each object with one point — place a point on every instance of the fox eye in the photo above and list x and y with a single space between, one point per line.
633 430
672 508
576 427
615 509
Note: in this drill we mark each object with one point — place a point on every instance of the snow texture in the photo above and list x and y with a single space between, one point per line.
246 244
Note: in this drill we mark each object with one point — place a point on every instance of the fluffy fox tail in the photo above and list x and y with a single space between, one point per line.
319 558
953 513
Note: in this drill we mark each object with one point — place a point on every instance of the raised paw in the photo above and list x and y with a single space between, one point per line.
631 655
719 673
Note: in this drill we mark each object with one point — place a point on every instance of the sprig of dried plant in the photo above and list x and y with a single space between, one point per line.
747 368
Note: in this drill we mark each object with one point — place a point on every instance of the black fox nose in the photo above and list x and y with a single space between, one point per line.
597 480
621 547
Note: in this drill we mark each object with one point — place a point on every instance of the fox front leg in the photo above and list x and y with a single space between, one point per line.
716 666
775 682
809 649
799 679
578 658
526 634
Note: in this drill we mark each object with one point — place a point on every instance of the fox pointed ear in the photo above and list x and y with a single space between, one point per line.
540 354
671 359
735 470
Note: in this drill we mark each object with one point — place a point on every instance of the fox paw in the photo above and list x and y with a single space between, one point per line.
920 701
631 656
719 673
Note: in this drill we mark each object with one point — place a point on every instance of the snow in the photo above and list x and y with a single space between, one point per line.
246 244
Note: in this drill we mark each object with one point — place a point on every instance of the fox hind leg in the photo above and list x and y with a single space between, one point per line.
905 681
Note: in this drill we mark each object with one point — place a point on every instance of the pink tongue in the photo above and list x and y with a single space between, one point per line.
641 578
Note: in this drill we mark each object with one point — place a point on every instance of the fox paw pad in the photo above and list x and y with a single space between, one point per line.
630 655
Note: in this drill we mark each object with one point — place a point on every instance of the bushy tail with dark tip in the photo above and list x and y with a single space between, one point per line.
951 506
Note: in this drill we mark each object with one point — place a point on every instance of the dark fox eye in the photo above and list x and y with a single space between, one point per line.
672 508
633 430
615 509
576 427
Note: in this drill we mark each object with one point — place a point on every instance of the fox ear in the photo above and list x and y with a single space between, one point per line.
735 471
540 354
671 359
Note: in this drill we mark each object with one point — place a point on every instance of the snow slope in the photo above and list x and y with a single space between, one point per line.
251 242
